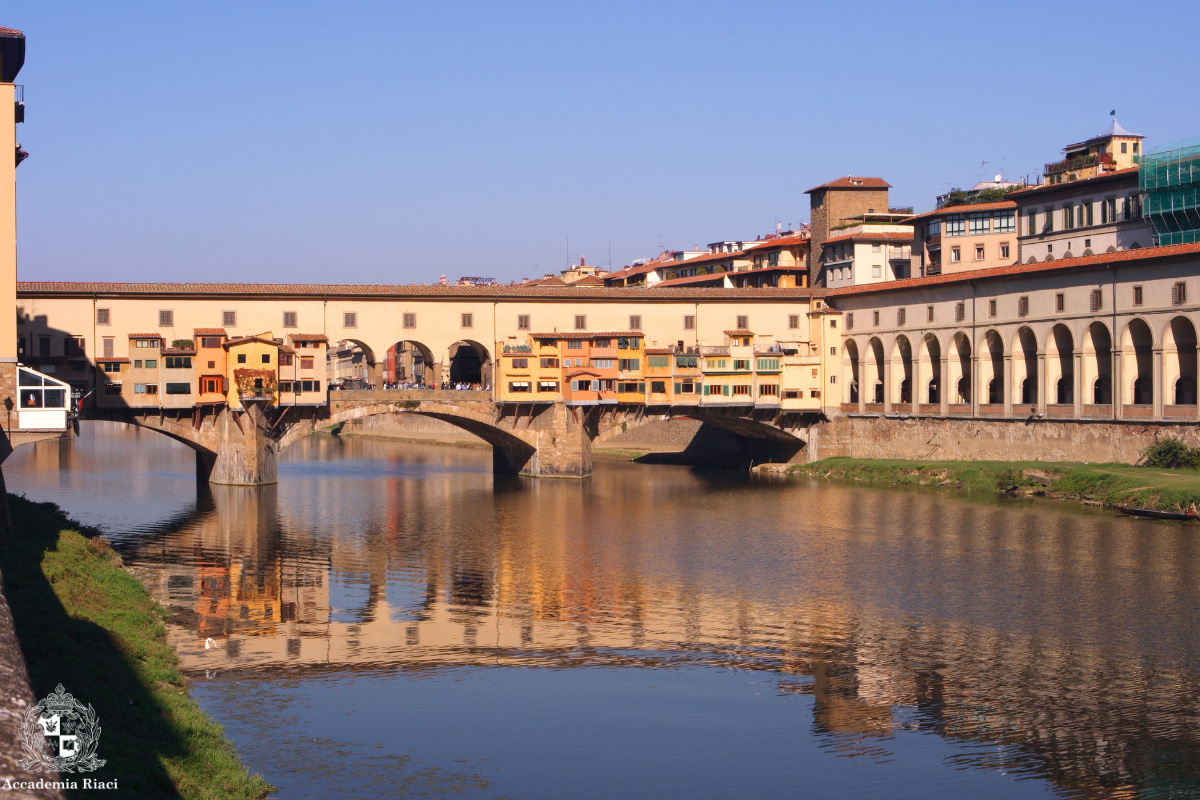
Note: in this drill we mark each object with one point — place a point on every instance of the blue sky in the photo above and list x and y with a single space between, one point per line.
395 142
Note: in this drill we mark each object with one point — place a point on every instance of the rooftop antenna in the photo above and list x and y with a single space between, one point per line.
983 169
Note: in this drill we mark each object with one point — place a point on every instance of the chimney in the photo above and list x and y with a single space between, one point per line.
581 261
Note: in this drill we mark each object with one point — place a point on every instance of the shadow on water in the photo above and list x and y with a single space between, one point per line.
62 649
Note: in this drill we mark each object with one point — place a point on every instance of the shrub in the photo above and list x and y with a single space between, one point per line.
1171 453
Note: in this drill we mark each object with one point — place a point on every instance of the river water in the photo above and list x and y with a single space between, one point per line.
392 621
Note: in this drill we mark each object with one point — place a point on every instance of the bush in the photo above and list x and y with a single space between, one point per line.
1171 453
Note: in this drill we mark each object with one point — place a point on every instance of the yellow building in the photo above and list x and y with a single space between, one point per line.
631 381
528 372
253 364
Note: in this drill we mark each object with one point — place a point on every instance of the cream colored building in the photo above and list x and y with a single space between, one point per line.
965 237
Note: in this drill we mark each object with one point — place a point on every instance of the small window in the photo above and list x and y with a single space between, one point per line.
875 318
901 314
468 320
1060 302
929 313
1137 295
689 323
991 308
635 322
1179 294
1004 251
1023 306
289 319
266 358
306 362
960 312
743 322
1097 300
410 320
229 319
833 323
979 253
833 350
794 321
522 322
102 316
850 321
350 319
166 319
955 255
179 388
580 322
241 358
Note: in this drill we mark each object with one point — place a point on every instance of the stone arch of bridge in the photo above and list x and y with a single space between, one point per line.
768 428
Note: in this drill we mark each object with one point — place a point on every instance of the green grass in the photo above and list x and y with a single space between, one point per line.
1105 484
84 622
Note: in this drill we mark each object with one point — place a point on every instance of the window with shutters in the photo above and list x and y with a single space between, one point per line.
635 322
1097 300
229 319
900 315
410 320
743 322
1060 302
580 322
1137 295
875 318
929 313
289 319
110 345
166 319
794 321
1022 306
991 308
850 321
960 312
689 322
350 319
1179 294
522 322
102 316
468 320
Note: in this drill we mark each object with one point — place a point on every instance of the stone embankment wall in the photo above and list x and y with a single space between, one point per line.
16 696
414 427
993 440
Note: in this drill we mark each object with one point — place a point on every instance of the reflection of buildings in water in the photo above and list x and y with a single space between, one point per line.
440 577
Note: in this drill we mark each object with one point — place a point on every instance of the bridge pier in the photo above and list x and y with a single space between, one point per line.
243 453
558 444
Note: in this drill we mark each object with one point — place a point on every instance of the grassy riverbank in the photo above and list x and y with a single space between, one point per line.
1099 484
84 622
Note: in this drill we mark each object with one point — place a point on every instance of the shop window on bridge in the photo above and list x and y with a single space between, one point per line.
770 363
309 386
520 363
685 387
112 389
518 386
575 344
741 363
768 389
147 343
547 386
151 363
549 362
687 362
631 386
179 388
285 359
210 385
145 388
285 387
73 345
629 364
306 362
741 388
177 362
658 387
793 394
111 366
658 361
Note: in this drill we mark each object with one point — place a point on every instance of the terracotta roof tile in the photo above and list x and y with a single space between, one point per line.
966 208
1145 254
852 182
692 279
1045 187
881 236
244 339
146 336
308 337
10 31
276 291
209 332
179 351
111 360
782 241
739 332
659 351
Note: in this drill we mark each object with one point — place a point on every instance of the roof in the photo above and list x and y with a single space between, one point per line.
247 339
852 182
1114 129
879 236
209 332
781 241
179 351
1067 185
690 279
739 332
308 337
575 372
659 351
584 334
965 208
112 360
10 32
146 336
1144 254
279 291
588 280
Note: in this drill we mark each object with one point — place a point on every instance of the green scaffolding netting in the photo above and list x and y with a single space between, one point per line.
1169 179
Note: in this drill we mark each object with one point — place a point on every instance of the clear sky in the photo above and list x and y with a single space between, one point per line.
396 142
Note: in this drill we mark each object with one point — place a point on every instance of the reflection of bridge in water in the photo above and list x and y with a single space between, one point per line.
438 581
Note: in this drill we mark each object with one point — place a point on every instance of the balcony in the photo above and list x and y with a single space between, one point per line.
899 253
714 350
1079 162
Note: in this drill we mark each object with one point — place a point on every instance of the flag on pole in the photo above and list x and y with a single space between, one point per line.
1112 113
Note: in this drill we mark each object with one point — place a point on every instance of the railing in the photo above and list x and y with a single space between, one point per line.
899 253
717 350
1079 162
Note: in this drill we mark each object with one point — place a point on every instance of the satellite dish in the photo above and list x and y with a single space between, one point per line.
999 178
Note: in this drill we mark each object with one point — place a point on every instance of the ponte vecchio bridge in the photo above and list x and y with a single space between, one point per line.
102 338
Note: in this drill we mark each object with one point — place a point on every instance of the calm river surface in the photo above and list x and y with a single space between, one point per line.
390 621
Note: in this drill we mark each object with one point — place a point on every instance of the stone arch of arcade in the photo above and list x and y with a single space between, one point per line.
1145 368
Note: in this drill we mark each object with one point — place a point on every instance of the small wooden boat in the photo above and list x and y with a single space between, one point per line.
1149 512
